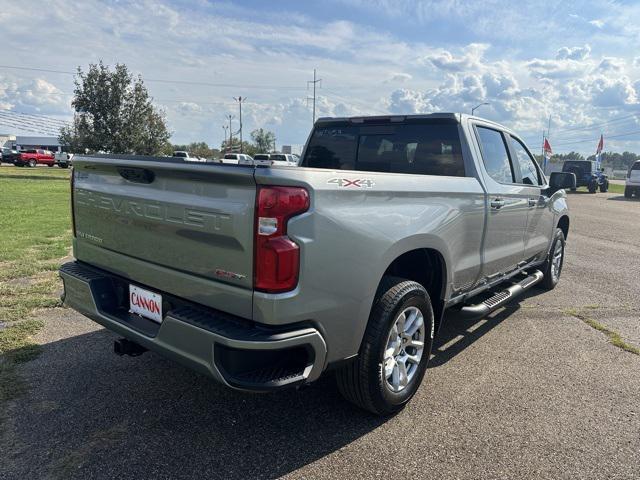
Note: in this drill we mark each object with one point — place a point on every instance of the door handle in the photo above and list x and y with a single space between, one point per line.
533 202
497 203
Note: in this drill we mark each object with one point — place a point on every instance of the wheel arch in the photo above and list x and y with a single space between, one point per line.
426 266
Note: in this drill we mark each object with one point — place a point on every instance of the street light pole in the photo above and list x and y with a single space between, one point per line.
478 106
230 144
240 100
225 128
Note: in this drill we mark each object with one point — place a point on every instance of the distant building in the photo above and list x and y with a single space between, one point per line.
6 138
48 143
286 149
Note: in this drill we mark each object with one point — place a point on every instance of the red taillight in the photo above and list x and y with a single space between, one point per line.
277 257
73 215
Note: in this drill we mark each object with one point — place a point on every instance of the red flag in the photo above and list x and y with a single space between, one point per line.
546 146
600 145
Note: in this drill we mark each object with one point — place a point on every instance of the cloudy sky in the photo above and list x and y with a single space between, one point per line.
576 61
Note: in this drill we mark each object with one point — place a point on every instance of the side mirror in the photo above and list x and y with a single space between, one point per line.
560 180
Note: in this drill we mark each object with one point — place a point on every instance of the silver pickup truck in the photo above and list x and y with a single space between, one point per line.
265 278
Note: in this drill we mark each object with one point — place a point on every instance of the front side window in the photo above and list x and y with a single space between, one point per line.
495 155
527 164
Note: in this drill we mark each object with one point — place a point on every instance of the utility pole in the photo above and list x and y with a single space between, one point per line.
313 82
230 144
240 100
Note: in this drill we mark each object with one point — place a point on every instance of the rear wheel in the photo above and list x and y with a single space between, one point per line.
628 193
552 268
604 187
395 349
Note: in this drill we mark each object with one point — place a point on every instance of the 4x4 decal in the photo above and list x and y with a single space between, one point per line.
352 182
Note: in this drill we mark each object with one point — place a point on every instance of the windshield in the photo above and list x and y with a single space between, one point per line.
429 148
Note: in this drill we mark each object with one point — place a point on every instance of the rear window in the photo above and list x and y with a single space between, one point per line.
279 158
571 166
636 166
426 148
231 156
180 154
261 157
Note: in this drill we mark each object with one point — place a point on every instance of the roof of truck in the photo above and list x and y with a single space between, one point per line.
454 116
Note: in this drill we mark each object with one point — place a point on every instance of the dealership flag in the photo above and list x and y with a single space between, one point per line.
546 148
599 151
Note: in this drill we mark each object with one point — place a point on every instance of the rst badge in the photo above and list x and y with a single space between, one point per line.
352 182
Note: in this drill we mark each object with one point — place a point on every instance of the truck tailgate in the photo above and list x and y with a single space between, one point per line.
186 229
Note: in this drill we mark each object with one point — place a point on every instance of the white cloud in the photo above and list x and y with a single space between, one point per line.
32 96
471 58
597 23
575 53
399 77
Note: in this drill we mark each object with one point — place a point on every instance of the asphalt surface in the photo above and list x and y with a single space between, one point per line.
530 392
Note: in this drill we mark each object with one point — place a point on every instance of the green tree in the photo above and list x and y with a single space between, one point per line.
114 113
263 140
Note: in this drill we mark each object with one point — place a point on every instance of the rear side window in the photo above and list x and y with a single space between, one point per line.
636 166
424 149
495 156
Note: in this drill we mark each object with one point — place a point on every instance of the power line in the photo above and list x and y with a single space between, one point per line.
597 125
164 80
636 132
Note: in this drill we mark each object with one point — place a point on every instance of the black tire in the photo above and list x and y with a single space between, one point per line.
550 281
64 165
363 381
604 188
574 189
32 163
628 193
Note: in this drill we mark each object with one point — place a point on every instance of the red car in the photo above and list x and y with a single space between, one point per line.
34 157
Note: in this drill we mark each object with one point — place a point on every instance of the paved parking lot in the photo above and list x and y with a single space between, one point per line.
531 392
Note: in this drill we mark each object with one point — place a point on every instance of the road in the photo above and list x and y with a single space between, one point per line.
532 391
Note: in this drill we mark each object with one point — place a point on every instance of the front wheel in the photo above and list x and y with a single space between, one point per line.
604 187
627 192
32 163
395 349
552 267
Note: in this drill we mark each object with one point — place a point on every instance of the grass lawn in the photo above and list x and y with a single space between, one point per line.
35 234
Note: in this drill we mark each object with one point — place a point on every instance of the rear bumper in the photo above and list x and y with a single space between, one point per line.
236 352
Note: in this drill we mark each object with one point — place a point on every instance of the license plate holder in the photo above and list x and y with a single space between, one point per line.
145 303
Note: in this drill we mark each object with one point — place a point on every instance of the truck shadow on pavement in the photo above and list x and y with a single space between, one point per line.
90 413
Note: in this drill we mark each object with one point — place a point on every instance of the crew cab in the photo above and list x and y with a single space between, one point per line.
34 157
266 277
